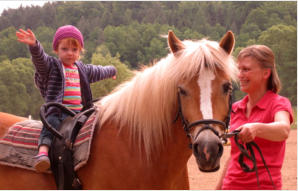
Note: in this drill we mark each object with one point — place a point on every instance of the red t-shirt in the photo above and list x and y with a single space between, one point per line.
273 152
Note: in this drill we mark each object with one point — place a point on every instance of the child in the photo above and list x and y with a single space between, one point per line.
64 80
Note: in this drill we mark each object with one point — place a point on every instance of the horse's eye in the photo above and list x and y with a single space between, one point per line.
182 91
227 87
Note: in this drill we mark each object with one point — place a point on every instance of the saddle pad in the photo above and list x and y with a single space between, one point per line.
20 144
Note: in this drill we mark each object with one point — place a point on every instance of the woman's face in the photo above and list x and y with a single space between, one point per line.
67 53
251 76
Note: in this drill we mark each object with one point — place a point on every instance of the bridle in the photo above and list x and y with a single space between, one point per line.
245 153
206 122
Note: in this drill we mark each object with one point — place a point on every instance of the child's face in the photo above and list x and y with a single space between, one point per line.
67 53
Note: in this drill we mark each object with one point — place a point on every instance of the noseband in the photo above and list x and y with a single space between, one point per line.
206 122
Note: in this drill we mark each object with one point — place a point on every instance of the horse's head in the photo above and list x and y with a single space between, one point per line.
204 94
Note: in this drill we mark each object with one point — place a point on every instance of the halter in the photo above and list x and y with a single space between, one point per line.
245 153
206 122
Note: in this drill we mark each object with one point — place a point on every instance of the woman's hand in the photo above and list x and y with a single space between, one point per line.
248 132
26 37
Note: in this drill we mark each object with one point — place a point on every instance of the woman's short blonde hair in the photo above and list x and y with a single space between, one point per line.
265 57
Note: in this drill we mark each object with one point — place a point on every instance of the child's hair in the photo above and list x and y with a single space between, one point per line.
72 42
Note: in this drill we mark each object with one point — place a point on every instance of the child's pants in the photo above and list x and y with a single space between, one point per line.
46 137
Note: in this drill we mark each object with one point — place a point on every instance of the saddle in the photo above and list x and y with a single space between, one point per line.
61 150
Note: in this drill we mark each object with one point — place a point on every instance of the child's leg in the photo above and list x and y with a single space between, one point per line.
43 149
46 137
42 162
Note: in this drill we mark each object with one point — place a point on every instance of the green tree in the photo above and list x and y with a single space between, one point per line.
9 47
45 36
282 40
259 17
248 33
132 31
17 88
134 42
103 57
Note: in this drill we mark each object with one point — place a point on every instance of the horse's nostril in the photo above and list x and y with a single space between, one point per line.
195 149
220 149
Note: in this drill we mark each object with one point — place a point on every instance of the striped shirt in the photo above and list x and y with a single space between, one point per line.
72 91
49 77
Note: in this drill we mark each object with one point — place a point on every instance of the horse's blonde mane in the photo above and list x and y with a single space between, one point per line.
147 103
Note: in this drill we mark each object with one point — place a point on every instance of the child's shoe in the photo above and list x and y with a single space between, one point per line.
42 163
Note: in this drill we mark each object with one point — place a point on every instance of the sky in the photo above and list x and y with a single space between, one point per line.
16 4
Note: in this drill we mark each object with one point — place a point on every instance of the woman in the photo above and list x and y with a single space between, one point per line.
262 116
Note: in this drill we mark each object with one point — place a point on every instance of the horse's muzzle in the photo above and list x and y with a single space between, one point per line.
208 149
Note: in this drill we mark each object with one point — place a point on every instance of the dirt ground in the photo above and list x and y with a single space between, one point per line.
207 181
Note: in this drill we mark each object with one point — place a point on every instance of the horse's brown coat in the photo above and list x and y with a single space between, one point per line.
147 151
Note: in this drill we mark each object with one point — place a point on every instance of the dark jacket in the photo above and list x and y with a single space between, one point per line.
49 77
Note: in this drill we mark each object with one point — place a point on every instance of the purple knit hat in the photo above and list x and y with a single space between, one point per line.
67 31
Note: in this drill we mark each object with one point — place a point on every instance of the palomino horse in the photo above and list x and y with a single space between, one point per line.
146 125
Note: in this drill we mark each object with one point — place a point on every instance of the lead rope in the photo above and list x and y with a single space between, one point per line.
244 153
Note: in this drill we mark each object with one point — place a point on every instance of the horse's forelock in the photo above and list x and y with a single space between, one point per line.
205 54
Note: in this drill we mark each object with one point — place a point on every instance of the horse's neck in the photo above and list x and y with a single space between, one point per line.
114 158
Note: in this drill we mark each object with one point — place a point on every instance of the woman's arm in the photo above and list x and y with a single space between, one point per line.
276 131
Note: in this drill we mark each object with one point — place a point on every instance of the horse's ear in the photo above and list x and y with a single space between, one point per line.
228 42
174 43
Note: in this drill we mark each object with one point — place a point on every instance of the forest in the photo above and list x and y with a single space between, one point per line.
131 34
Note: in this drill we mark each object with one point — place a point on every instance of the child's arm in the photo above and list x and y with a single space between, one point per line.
96 73
26 37
39 57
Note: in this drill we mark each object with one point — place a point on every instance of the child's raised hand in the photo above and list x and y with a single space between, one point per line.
26 37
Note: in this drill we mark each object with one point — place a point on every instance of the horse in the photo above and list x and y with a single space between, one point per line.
150 125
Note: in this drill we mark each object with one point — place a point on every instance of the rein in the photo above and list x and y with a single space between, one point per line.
250 155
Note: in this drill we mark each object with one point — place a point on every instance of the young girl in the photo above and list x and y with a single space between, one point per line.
64 80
